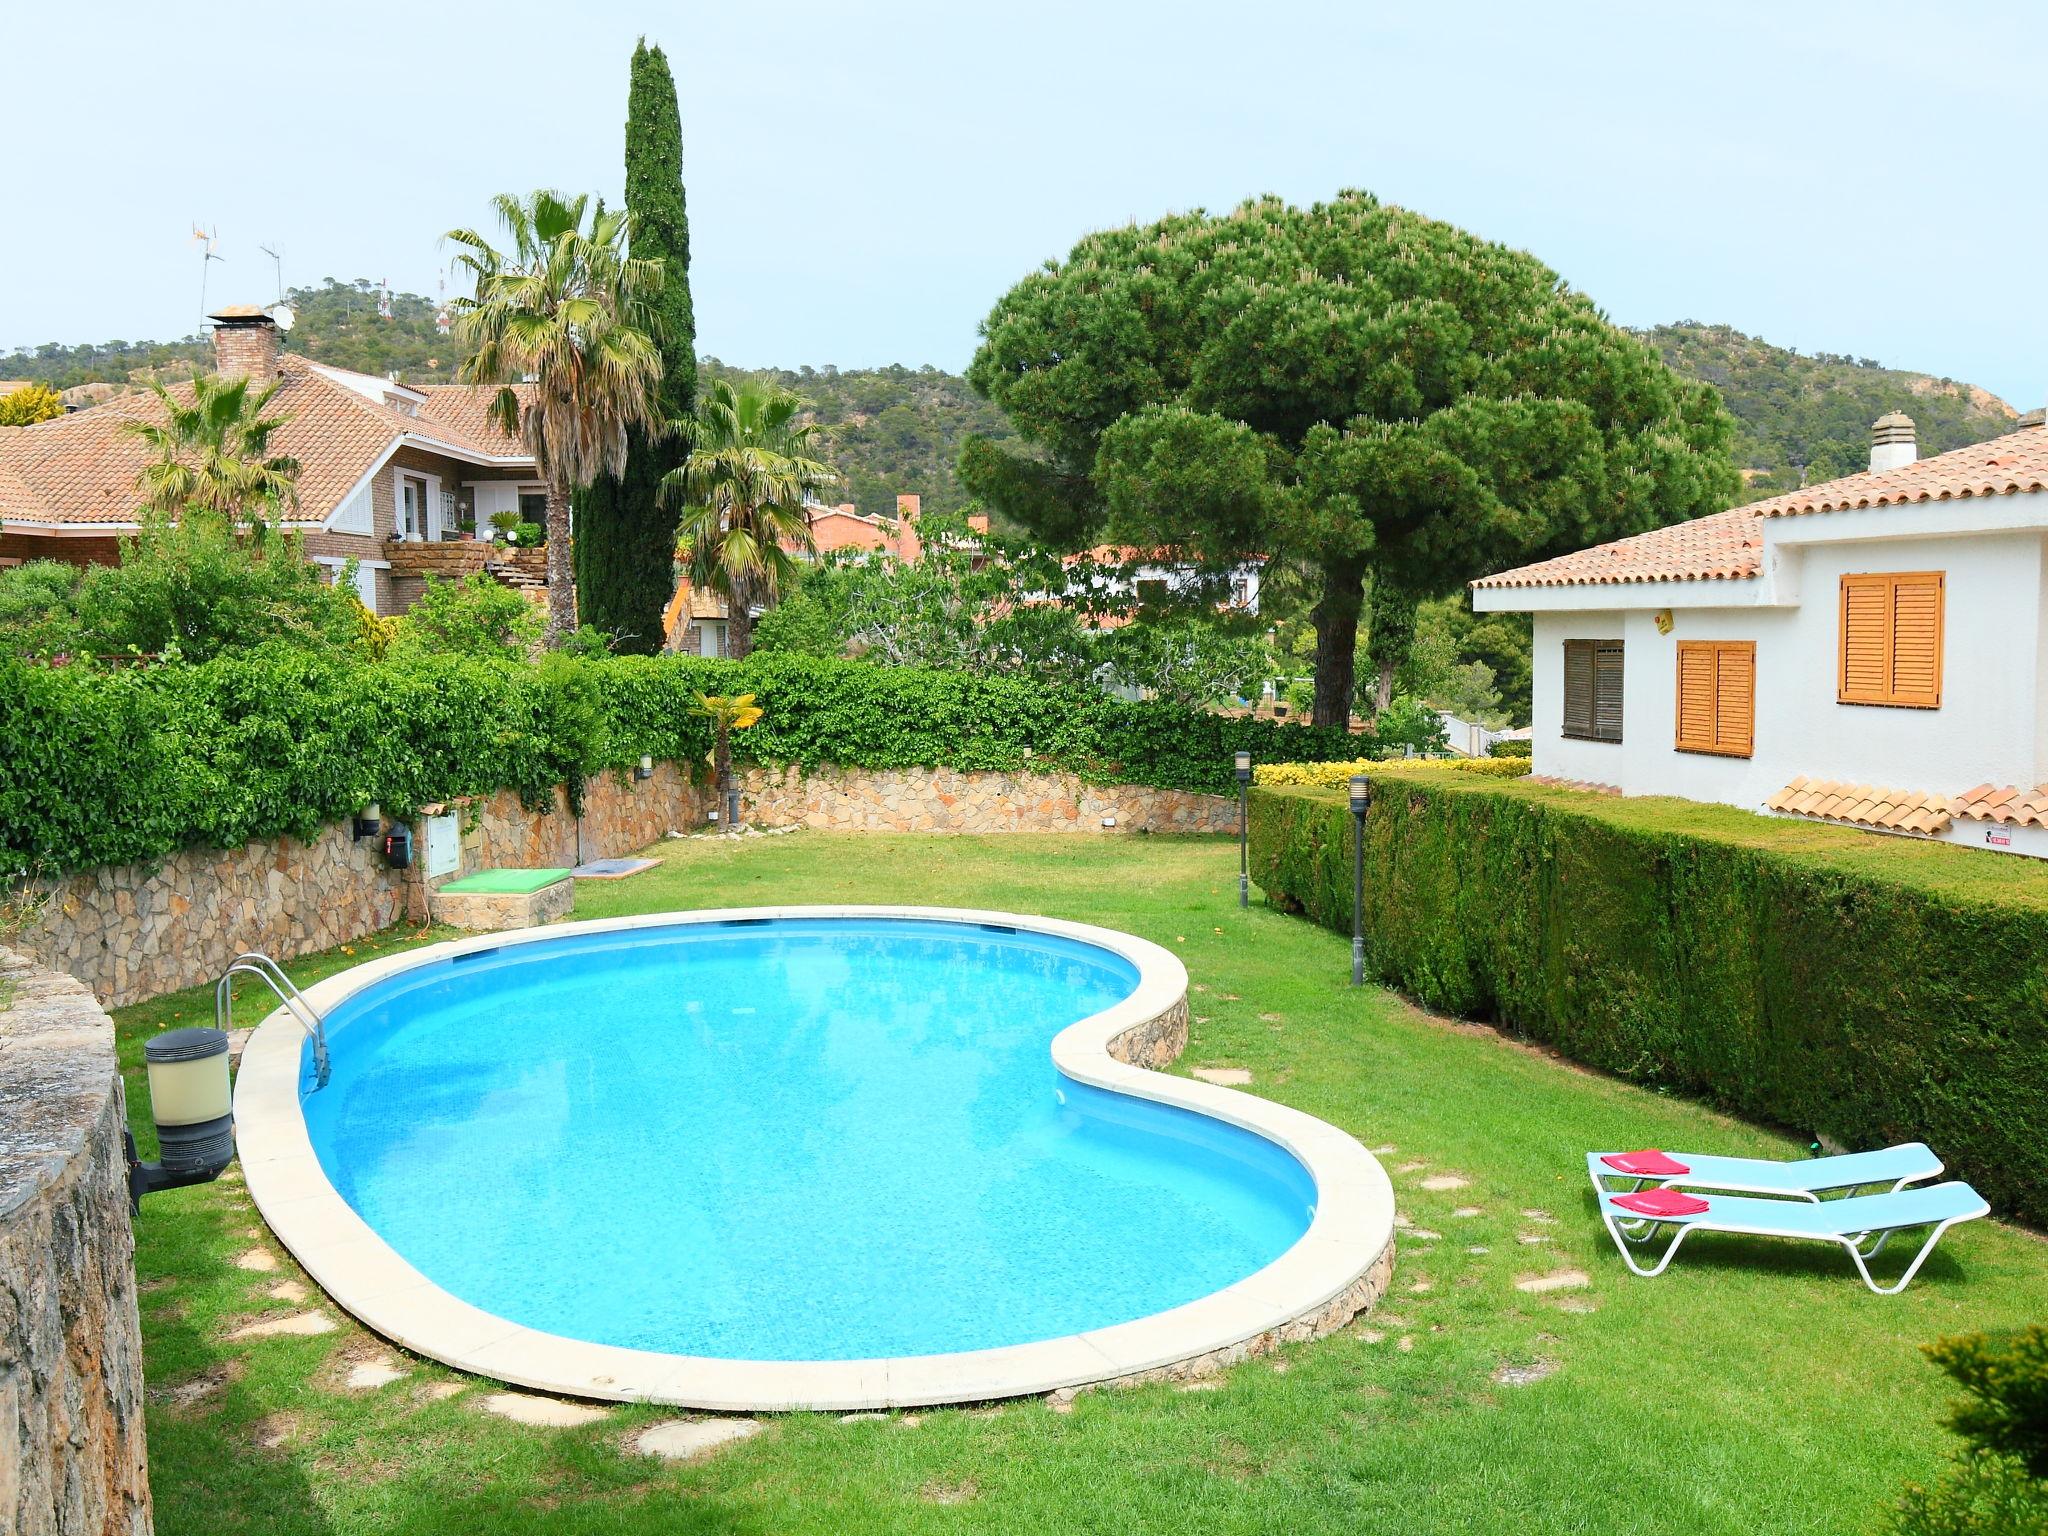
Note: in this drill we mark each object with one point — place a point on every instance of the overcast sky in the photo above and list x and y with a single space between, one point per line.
865 179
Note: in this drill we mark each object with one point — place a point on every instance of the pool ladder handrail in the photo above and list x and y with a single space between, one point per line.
256 963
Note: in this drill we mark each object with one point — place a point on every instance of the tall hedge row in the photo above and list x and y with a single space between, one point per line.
109 767
1860 988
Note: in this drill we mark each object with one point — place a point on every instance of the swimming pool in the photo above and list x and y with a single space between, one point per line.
797 1142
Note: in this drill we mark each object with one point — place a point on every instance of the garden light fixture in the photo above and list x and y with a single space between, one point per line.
646 768
1361 802
1244 855
194 1114
368 821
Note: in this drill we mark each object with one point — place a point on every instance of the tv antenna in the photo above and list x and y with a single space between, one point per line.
205 239
276 260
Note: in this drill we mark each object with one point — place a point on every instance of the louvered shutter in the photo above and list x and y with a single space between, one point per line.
1695 696
1607 691
1891 639
1578 688
1735 697
1916 640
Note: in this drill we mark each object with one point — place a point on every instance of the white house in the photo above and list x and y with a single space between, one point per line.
1872 651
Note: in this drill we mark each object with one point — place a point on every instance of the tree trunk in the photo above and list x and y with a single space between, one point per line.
561 568
739 622
1336 620
721 769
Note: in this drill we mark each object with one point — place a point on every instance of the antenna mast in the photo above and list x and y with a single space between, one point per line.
276 260
205 241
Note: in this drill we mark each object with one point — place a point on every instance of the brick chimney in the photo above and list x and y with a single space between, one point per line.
1893 442
245 343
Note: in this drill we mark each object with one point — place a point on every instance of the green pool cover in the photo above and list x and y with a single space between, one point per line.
505 882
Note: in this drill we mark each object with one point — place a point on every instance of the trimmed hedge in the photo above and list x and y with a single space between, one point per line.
1862 988
111 767
1337 775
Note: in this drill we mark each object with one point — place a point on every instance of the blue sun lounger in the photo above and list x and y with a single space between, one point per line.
1805 1178
1851 1221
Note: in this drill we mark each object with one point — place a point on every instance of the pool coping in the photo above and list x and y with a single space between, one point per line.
1337 1267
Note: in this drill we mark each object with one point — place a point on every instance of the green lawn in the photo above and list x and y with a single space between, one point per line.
1754 1388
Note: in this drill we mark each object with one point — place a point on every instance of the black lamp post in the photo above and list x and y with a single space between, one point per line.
1244 847
194 1114
1361 802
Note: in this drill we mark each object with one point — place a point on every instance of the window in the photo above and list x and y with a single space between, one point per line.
1592 690
533 506
412 513
1891 639
1717 697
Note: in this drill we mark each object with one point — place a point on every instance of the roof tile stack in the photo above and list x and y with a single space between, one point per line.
2014 807
1865 805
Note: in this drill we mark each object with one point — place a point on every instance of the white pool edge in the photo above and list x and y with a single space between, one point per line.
1345 1253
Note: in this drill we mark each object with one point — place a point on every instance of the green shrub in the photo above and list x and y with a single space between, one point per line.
1865 988
109 767
1996 1483
39 607
1514 746
1337 775
476 616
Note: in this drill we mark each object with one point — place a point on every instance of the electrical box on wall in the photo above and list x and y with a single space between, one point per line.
444 846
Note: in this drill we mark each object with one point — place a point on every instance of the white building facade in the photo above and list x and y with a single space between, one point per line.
1873 650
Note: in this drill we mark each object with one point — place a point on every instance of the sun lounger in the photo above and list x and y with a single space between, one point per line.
1853 1221
1804 1178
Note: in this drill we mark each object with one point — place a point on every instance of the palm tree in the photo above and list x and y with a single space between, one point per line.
212 453
727 713
743 489
568 312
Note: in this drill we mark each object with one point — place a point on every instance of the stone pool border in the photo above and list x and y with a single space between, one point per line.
1339 1266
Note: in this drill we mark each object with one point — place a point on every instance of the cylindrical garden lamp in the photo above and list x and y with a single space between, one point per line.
190 1101
1361 802
1244 857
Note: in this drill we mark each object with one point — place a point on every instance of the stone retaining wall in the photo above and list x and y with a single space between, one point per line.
136 931
72 1460
945 800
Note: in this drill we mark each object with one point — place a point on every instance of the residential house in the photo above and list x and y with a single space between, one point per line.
1130 577
391 476
1872 651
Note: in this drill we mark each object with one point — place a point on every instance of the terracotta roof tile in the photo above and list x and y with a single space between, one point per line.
466 409
82 468
1865 805
1728 545
2014 807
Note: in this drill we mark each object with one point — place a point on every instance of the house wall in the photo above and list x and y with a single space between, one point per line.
16 548
1989 726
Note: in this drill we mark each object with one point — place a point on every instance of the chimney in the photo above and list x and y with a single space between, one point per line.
908 545
245 343
2038 417
1893 443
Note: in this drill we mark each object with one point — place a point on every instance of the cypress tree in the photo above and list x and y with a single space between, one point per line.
625 541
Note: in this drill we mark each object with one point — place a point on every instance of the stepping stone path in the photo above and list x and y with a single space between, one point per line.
298 1324
441 1391
1532 1238
1206 1384
950 1493
1407 1343
1524 1375
1423 1234
1420 1287
1061 1401
287 1290
1578 1304
1224 1077
272 1431
546 1412
1533 1214
262 1260
369 1375
1478 1248
1467 1211
1556 1280
1370 1335
863 1418
693 1439
1411 1167
1440 1182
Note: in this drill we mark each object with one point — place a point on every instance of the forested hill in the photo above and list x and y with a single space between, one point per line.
894 430
1816 409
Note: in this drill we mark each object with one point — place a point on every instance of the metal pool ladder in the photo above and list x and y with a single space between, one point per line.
257 964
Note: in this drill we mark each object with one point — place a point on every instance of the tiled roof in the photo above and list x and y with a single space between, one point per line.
82 468
1864 805
2014 807
465 408
1722 546
1728 545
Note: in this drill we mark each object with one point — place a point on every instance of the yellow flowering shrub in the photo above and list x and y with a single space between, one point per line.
1338 775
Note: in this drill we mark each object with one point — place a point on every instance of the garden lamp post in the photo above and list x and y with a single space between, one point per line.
1361 802
194 1114
1244 847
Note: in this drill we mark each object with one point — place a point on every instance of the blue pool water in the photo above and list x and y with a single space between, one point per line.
831 1138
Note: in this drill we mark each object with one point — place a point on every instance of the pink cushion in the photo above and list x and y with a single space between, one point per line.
1648 1164
1661 1202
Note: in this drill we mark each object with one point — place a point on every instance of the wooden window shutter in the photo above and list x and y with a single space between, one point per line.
1717 697
1607 678
1578 688
1891 628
